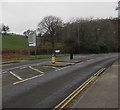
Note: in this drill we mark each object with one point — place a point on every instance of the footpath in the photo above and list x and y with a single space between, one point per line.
103 93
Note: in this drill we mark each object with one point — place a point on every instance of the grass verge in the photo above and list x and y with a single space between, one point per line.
33 57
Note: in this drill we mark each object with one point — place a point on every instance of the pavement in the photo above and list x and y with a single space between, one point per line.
103 93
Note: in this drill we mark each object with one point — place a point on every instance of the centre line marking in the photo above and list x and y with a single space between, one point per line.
36 70
28 79
18 77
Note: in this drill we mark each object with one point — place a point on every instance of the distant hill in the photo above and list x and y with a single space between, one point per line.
13 41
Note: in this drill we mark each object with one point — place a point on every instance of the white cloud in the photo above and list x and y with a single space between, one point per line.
26 15
59 0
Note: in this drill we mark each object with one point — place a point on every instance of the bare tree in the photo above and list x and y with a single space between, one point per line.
4 29
50 25
0 28
26 33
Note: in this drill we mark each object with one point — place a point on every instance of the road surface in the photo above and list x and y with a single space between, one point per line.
30 85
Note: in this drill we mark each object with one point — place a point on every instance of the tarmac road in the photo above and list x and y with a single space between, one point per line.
26 63
50 87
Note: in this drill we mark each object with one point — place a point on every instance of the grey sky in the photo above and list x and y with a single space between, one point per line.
20 16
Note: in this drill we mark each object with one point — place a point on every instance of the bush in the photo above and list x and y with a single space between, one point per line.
103 47
11 53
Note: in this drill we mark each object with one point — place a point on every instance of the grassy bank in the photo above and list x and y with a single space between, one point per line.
12 41
33 57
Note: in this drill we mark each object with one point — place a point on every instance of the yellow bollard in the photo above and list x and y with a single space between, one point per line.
53 58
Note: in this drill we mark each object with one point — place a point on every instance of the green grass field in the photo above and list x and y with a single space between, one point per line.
14 42
21 42
33 57
18 42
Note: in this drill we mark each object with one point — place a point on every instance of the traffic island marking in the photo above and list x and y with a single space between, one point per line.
70 61
65 62
36 69
8 78
28 79
57 64
18 77
62 68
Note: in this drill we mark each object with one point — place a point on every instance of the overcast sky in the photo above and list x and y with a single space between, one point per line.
20 16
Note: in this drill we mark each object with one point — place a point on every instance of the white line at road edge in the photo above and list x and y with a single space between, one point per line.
36 70
62 68
18 77
28 79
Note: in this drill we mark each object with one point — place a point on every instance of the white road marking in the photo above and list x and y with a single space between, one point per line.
18 77
36 70
90 59
28 79
4 72
23 67
62 68
80 63
55 68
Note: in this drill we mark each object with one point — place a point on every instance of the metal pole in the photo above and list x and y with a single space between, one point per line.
97 37
35 50
78 39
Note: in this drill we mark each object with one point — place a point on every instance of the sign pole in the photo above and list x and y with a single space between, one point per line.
35 51
32 40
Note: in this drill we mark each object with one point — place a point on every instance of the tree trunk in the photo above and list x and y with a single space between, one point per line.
53 42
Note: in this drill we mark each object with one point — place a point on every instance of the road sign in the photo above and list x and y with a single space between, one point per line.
32 38
57 51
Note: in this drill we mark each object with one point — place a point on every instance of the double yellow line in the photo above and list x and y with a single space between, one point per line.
69 98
